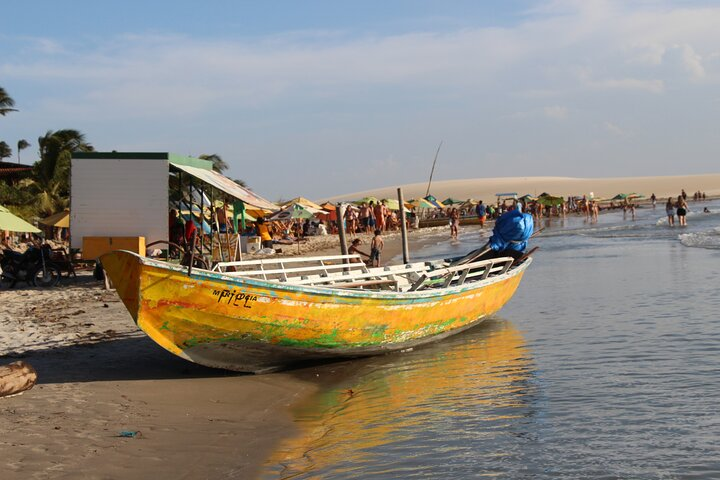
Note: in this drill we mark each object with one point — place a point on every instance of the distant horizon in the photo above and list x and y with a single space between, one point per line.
319 97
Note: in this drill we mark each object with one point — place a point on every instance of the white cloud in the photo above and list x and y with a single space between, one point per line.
692 62
616 130
651 86
556 112
649 54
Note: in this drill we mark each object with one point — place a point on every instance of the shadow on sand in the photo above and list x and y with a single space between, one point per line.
136 358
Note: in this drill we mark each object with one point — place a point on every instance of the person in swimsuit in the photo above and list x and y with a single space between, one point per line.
371 216
380 211
454 222
681 210
670 211
376 247
364 218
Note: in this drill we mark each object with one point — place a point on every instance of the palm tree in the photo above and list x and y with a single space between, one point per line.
5 150
241 182
6 103
52 171
22 145
219 164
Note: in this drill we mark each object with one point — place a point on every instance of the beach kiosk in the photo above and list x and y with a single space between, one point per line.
121 200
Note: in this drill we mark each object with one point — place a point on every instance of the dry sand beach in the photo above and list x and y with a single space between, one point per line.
486 188
99 378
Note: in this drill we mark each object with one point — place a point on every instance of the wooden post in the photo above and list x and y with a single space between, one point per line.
227 229
217 227
403 227
341 229
213 219
16 377
192 253
202 219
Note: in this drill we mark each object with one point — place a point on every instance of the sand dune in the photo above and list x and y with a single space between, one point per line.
486 188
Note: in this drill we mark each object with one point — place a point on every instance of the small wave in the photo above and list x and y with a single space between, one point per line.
709 239
692 214
605 231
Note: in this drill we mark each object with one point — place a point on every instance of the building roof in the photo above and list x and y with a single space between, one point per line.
12 169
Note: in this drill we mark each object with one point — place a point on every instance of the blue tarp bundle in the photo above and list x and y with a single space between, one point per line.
512 231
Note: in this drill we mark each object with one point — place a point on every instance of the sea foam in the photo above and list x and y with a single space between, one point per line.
707 239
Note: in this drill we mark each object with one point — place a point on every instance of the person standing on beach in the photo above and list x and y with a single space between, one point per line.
454 223
481 213
376 246
682 208
263 231
653 198
670 211
364 217
379 211
594 211
371 217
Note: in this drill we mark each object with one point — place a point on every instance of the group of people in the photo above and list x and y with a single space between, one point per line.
369 217
679 208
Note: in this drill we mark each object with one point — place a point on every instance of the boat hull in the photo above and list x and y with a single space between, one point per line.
255 326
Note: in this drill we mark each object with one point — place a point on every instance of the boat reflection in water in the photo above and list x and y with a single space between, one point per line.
428 411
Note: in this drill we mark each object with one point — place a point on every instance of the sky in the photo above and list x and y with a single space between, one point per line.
323 98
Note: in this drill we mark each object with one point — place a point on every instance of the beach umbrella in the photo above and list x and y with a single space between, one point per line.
13 223
303 202
58 220
391 203
434 202
452 201
366 200
421 203
620 196
549 200
292 212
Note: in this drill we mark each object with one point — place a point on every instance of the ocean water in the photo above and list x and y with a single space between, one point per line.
605 364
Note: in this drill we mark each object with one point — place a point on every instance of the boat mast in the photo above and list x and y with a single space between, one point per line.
433 168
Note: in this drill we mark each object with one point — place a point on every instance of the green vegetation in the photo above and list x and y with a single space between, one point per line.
47 190
6 103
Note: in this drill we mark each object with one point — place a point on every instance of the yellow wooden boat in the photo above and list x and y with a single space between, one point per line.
260 315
